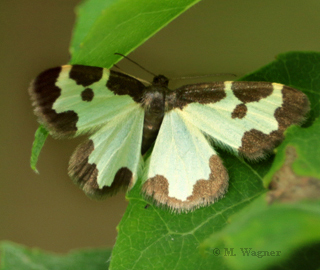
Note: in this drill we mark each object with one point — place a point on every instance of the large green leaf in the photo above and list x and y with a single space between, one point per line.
16 257
155 238
119 26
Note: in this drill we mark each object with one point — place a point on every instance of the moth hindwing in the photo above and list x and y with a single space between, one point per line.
124 119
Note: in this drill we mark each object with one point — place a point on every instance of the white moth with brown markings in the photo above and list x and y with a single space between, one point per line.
125 119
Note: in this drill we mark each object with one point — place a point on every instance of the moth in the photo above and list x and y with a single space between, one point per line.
126 119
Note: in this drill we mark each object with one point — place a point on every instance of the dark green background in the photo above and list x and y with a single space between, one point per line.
47 210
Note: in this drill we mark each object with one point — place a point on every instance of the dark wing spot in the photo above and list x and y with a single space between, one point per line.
87 94
256 144
44 93
239 111
85 75
122 84
251 91
85 175
205 192
295 106
122 180
202 93
158 188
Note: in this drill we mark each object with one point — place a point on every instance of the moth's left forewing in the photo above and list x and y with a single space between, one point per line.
290 108
247 117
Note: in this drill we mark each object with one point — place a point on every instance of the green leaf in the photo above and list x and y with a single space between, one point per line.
154 238
261 235
305 142
119 26
40 138
14 256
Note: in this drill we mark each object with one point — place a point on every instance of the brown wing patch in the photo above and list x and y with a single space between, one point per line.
202 93
239 111
253 91
205 191
295 106
208 191
122 84
85 174
44 93
87 94
256 144
85 75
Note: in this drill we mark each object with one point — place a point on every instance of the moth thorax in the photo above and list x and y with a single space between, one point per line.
154 101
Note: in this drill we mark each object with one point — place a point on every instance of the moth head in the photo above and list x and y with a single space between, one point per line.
160 80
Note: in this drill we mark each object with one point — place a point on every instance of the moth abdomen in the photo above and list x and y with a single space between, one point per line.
151 126
154 104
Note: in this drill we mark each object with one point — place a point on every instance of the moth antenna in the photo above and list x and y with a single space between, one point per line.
141 80
117 67
203 76
136 64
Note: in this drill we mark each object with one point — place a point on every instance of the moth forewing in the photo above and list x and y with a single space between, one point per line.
250 119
